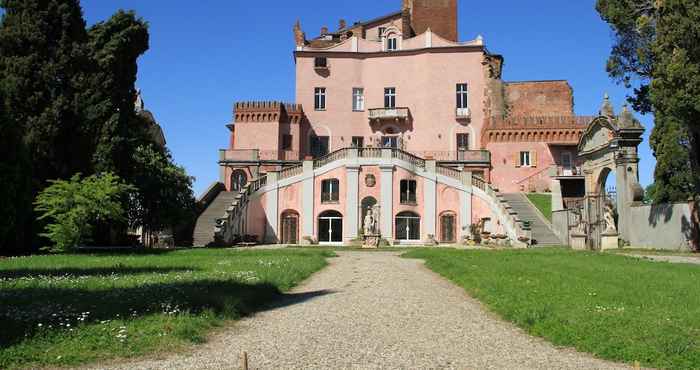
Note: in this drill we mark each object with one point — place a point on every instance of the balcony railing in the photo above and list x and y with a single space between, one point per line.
388 114
569 171
260 155
463 113
474 156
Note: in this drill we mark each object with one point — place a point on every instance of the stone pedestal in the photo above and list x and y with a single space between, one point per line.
609 241
578 242
371 241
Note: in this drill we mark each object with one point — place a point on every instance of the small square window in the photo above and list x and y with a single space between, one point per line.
382 31
321 62
358 142
392 44
525 159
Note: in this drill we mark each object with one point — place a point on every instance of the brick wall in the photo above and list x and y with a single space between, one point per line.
438 15
539 98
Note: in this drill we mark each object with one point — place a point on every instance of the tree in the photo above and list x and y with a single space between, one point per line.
656 45
649 194
14 187
72 207
42 60
163 197
114 47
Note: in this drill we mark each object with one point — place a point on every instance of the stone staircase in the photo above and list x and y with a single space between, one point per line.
204 229
542 234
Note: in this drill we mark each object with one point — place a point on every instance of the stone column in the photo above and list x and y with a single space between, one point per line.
352 196
430 199
307 202
272 209
222 168
387 200
465 206
557 200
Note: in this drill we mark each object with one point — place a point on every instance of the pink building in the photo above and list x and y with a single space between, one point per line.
397 118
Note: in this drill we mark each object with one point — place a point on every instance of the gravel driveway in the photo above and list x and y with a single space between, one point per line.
376 311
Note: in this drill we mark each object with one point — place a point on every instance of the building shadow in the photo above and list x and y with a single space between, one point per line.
26 311
80 272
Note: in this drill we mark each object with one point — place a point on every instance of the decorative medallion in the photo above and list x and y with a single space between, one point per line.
370 181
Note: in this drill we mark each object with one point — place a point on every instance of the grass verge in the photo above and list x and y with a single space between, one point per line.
615 307
543 202
66 310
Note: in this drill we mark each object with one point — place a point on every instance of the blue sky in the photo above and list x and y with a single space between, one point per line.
205 57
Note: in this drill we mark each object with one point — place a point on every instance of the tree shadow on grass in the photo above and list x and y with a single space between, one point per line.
80 272
22 310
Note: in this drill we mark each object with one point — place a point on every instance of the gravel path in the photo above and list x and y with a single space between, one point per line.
669 259
376 311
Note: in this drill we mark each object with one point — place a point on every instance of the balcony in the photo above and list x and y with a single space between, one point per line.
569 171
388 114
256 155
463 114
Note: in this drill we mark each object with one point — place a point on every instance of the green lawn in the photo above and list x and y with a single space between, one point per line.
543 202
615 307
65 310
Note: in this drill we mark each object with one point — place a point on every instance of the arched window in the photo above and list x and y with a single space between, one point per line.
330 191
238 180
330 227
407 226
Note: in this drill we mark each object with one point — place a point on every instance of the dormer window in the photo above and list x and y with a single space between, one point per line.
392 44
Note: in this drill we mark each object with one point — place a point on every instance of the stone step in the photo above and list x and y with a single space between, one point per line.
204 229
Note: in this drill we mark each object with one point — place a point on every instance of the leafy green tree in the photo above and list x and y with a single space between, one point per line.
163 198
650 193
72 207
656 47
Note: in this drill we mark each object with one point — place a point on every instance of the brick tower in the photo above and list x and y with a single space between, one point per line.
438 15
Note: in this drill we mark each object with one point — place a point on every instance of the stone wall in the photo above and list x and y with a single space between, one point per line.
666 226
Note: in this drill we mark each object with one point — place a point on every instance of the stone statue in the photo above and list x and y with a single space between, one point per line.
375 216
609 215
369 224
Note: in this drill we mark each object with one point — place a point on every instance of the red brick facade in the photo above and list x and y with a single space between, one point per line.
438 15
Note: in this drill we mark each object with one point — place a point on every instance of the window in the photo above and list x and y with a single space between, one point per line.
321 62
358 99
329 191
462 142
392 44
408 191
525 159
319 146
320 98
390 98
286 142
462 96
358 142
238 180
407 226
382 31
330 227
390 142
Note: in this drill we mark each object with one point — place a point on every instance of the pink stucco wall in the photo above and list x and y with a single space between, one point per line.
509 178
425 82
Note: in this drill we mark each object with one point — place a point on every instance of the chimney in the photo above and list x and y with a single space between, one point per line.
342 24
324 30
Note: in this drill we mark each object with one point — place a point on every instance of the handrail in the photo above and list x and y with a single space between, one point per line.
532 175
408 157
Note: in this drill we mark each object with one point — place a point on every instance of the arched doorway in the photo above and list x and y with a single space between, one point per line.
238 180
290 227
407 226
448 220
330 227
